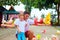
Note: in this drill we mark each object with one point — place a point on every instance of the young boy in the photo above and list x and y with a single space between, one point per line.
20 25
28 33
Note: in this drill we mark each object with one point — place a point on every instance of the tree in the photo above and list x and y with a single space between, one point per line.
57 3
37 4
9 2
33 3
28 4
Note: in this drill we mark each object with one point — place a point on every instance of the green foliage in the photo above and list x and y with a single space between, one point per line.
33 3
9 2
54 19
57 1
42 16
39 3
28 4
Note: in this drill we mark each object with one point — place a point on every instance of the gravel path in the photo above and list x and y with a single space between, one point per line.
9 33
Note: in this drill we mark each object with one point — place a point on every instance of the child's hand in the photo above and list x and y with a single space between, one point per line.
19 31
26 25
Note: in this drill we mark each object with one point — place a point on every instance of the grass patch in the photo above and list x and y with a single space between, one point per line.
57 27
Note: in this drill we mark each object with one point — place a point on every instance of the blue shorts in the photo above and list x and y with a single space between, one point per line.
21 36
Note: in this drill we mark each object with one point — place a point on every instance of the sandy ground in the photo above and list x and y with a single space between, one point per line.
9 33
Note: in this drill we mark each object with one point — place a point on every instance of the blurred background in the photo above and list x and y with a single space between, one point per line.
37 8
45 13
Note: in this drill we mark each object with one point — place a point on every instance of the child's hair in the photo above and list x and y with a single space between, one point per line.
25 12
30 35
21 14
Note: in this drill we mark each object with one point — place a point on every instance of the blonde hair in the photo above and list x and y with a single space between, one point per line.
21 14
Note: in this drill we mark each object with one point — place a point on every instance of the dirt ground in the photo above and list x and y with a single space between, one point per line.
9 33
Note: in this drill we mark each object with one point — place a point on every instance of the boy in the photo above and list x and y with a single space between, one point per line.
20 25
29 34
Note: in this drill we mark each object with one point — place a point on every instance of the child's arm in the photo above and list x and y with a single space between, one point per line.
31 22
16 25
26 24
18 29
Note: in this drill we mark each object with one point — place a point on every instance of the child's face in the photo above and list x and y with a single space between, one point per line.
26 16
21 17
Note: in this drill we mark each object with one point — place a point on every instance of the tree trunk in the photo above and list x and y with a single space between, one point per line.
58 13
28 6
0 19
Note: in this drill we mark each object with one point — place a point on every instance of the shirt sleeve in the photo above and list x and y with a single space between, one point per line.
31 21
16 22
